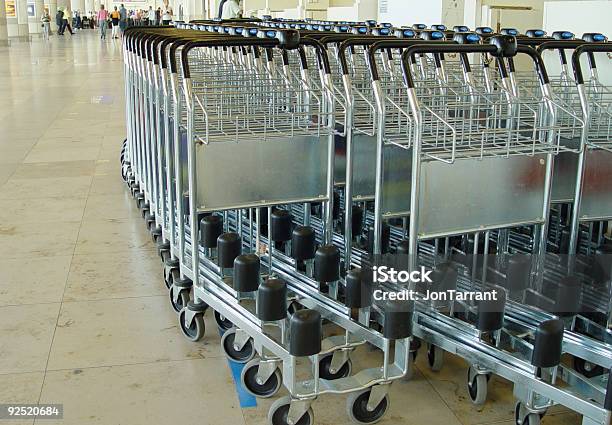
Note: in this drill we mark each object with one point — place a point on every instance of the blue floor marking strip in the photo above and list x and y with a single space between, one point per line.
246 400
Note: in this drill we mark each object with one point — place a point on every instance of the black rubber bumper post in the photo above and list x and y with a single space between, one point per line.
547 347
327 264
518 272
246 273
272 300
386 238
397 319
230 247
281 226
491 313
211 227
358 291
567 302
305 333
303 246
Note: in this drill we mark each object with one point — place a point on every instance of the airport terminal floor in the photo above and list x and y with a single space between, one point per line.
84 313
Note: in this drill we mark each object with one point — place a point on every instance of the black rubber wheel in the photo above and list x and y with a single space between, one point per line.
223 323
325 365
239 356
268 389
277 415
182 300
587 369
529 419
357 408
477 388
195 331
435 357
169 274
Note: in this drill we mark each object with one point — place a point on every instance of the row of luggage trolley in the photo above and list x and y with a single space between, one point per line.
277 164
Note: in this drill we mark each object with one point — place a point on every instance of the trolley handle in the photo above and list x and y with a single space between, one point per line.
533 41
153 48
394 44
352 42
162 49
497 48
561 46
216 42
588 48
321 53
174 47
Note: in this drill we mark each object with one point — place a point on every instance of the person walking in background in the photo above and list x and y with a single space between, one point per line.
59 21
158 16
123 18
231 10
221 4
67 18
102 21
114 15
151 16
46 24
79 22
166 13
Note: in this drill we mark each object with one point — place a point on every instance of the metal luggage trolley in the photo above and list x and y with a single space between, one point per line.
460 133
249 117
579 299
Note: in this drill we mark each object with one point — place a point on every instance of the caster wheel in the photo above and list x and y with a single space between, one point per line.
277 415
587 369
326 373
140 201
164 254
239 356
522 417
477 387
195 331
170 275
182 300
357 408
435 357
410 373
145 211
267 389
223 323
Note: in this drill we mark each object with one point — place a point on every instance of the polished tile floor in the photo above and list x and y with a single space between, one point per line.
84 315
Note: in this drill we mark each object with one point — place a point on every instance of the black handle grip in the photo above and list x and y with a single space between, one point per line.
537 60
352 42
588 48
182 42
533 41
396 43
559 44
220 41
321 53
443 47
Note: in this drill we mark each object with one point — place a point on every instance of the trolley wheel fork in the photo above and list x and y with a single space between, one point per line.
335 365
368 406
524 416
237 345
262 378
286 411
435 357
477 383
191 321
